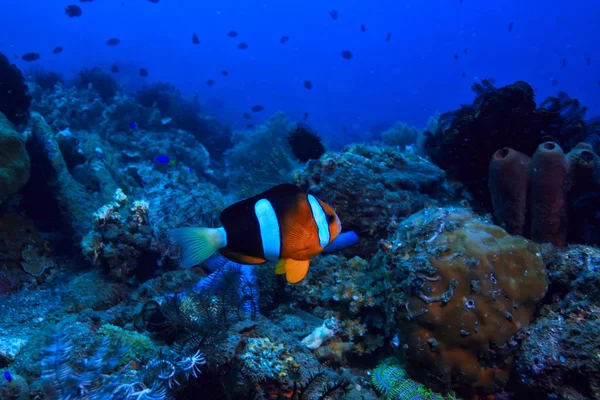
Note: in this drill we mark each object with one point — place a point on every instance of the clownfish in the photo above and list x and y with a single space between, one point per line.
281 224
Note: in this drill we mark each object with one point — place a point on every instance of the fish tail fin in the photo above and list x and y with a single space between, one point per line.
198 244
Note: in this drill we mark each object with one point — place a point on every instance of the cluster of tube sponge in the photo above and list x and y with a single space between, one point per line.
538 186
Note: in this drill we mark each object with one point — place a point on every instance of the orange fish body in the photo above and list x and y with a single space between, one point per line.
281 224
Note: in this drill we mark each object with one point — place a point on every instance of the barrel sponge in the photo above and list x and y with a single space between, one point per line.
550 181
14 160
14 93
465 314
508 183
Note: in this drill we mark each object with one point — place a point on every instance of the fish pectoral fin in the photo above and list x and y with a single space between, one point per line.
197 244
280 267
295 270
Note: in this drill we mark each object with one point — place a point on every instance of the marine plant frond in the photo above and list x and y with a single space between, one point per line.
56 363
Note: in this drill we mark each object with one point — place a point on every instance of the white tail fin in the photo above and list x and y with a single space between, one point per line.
197 244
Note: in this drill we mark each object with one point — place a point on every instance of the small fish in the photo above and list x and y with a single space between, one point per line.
334 14
456 57
113 41
284 39
166 120
554 82
346 54
247 115
224 73
30 57
114 69
143 72
510 26
85 1
282 224
73 11
195 39
305 116
588 61
564 62
388 37
250 126
232 34
257 108
133 126
210 82
463 74
57 50
465 51
242 46
308 85
461 1
154 1
163 159
363 28
395 342
8 376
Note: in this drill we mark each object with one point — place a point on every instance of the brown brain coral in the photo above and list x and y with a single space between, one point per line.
477 289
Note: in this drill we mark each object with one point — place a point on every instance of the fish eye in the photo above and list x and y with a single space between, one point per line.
330 218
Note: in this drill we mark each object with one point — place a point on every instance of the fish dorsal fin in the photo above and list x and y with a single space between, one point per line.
296 270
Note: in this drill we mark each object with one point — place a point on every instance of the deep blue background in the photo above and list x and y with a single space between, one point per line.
407 79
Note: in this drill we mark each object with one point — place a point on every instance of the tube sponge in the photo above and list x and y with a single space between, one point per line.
550 180
508 183
14 160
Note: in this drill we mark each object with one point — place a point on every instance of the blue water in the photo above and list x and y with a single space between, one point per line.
409 78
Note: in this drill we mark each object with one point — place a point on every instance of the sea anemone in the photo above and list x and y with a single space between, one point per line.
306 145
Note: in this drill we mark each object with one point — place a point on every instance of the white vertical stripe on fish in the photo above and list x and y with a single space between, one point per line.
321 220
269 229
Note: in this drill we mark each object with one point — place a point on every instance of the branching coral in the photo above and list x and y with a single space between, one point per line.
103 83
271 360
120 236
402 135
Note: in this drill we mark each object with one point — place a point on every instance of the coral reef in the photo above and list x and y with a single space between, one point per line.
94 78
401 135
186 115
470 289
368 186
121 236
254 167
466 139
559 355
14 94
14 160
55 172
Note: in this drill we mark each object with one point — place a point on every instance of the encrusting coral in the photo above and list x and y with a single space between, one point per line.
14 160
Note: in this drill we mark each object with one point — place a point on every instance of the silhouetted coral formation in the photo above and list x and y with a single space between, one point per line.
14 94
